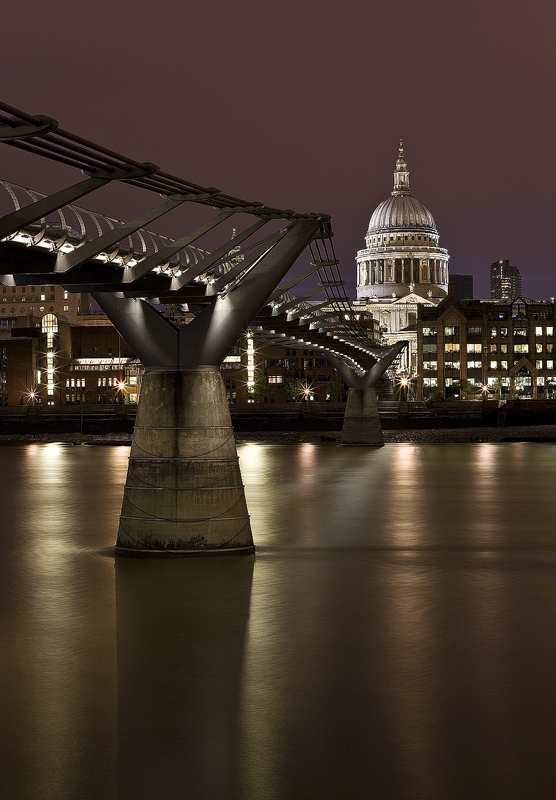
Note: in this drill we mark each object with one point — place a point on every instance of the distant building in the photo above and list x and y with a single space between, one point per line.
505 281
463 286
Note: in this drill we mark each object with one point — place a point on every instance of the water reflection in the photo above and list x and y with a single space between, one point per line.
181 639
392 638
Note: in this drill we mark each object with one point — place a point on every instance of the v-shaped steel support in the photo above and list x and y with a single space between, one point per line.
208 339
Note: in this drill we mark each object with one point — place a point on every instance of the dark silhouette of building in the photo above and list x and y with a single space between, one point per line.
505 281
463 286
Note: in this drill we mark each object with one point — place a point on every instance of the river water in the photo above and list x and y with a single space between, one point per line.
393 637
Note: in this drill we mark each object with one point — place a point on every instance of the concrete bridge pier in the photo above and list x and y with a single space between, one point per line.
361 421
183 494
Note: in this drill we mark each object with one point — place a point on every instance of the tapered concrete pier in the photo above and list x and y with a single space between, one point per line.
361 420
183 494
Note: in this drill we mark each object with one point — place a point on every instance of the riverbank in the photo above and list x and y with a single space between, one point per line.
524 433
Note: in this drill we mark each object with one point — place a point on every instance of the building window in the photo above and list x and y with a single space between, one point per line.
503 365
538 364
493 333
429 348
275 378
429 331
451 347
474 364
430 365
550 364
521 348
493 348
474 348
503 348
538 331
474 331
549 347
520 331
451 330
430 381
493 365
549 331
538 348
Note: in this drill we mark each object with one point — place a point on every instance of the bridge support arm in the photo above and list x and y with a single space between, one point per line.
361 421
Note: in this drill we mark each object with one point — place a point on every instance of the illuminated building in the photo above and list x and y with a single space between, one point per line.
402 267
509 347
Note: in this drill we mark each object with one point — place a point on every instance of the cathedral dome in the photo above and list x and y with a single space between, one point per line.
402 256
401 211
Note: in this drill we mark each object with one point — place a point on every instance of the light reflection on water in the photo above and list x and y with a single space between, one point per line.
393 637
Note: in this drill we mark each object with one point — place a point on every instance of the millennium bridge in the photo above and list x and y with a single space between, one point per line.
184 494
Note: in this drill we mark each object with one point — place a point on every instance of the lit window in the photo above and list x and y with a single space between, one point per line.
503 365
43 297
474 364
538 331
538 348
521 348
493 333
549 331
550 364
494 365
538 364
493 348
66 308
474 348
549 347
450 347
275 378
503 331
451 330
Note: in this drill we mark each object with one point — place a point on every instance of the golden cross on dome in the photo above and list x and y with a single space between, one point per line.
401 148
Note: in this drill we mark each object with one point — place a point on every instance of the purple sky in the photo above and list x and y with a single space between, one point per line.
301 105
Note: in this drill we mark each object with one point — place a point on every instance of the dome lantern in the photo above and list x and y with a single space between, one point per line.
401 175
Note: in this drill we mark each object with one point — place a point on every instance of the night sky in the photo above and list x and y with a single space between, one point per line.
301 105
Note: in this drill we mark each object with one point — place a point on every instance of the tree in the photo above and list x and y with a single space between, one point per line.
294 388
465 386
335 387
261 386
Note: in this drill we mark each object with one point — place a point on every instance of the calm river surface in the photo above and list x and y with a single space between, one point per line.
393 637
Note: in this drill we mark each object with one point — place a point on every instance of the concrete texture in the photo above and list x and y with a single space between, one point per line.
183 494
361 421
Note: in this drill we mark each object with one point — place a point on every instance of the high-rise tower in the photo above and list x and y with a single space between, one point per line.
505 281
